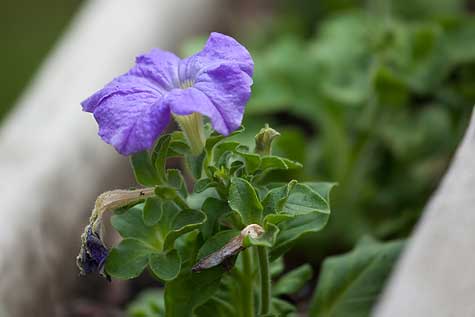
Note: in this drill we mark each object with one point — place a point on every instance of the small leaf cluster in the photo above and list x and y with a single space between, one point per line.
174 229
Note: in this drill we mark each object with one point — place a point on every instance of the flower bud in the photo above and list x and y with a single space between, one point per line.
264 140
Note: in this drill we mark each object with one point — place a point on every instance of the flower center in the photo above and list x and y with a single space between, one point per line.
186 84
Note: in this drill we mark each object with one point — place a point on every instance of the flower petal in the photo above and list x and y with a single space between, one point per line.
131 122
219 49
122 85
220 93
160 67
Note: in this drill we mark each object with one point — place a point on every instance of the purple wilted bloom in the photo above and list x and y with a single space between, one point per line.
93 253
136 107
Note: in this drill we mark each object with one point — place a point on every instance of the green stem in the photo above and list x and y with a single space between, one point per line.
265 280
247 291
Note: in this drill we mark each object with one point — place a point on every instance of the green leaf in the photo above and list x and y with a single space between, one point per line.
130 224
160 155
203 184
304 200
166 224
216 307
190 290
309 206
185 221
251 160
149 303
292 281
195 164
322 188
187 246
231 219
128 259
276 163
243 199
276 198
215 138
152 211
277 218
166 265
282 308
293 229
178 145
222 148
196 200
175 179
144 170
213 208
350 284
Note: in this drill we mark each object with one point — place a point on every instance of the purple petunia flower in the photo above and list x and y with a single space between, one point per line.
136 107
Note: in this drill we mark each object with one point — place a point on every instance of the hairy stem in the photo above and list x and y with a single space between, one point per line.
265 280
247 291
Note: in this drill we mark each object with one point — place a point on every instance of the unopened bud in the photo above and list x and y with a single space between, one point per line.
264 140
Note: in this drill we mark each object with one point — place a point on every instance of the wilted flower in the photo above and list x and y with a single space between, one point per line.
229 251
93 253
136 107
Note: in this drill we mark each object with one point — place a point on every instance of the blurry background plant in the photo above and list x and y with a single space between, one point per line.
376 94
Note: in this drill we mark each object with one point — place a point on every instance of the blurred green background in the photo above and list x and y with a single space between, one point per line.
372 94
